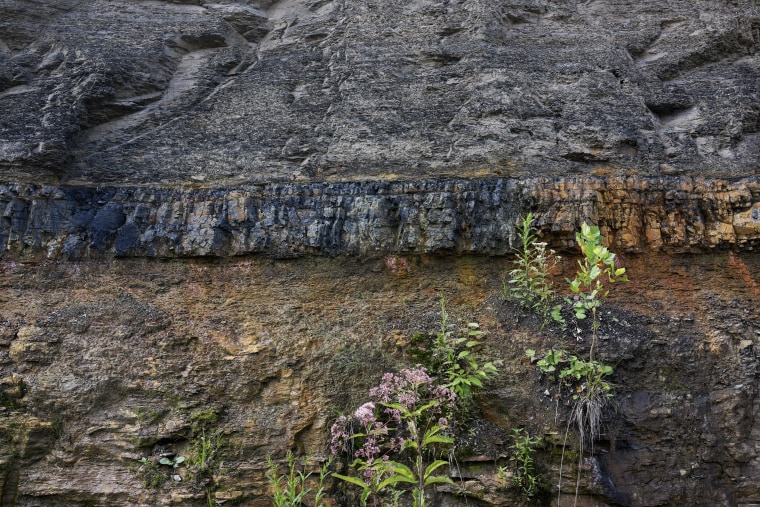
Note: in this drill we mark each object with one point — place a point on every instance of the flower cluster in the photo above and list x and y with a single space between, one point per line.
340 435
383 432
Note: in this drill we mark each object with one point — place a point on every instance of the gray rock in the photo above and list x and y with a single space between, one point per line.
155 92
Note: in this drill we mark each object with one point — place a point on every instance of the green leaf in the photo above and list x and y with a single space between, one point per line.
179 459
475 381
401 469
433 430
352 480
410 444
433 467
437 439
437 479
395 479
619 271
165 461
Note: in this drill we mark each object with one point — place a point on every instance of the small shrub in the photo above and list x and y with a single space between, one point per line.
591 391
587 379
525 478
529 283
578 374
598 264
453 358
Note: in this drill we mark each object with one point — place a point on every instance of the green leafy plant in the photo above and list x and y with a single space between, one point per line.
174 462
526 478
529 282
550 362
582 375
588 381
290 489
452 356
597 265
153 477
400 445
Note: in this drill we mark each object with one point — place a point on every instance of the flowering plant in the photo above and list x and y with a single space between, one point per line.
398 437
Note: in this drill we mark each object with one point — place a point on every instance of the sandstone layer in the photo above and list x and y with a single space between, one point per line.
373 219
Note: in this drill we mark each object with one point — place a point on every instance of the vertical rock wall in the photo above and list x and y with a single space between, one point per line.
376 218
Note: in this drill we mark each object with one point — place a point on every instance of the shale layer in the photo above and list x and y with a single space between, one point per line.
376 218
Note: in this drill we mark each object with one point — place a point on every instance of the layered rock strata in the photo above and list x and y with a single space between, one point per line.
113 91
376 218
103 363
335 129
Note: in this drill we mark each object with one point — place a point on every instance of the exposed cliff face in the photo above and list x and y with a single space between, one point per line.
108 91
377 218
137 136
105 362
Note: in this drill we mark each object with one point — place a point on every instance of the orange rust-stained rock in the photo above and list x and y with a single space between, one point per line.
133 347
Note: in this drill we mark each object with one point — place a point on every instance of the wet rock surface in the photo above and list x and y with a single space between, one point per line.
169 92
104 363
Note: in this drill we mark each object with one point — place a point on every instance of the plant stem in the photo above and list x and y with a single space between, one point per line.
594 327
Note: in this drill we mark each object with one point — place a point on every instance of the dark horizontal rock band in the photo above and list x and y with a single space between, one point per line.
375 218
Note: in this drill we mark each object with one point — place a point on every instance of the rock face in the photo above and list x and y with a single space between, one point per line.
160 159
377 218
104 363
121 92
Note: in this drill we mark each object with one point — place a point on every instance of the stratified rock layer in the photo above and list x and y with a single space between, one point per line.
393 131
110 91
376 218
104 363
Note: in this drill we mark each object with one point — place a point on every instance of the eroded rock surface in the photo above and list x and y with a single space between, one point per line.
377 218
104 363
112 91
136 136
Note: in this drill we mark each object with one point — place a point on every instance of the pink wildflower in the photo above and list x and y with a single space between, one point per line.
365 414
